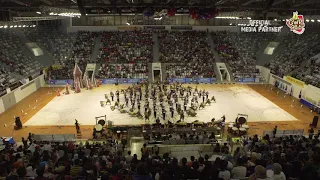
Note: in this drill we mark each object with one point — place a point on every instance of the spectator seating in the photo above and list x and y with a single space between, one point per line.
297 49
239 51
310 73
82 49
126 47
188 53
248 45
138 70
118 49
253 158
15 63
57 43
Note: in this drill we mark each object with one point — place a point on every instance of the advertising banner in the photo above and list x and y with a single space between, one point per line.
187 28
180 80
109 81
129 28
60 82
192 80
122 81
246 79
294 81
154 27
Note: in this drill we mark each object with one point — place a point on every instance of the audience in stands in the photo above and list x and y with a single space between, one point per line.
309 73
239 51
297 49
281 158
125 54
137 70
187 53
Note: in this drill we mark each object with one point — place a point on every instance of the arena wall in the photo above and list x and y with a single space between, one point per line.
2 109
20 93
155 27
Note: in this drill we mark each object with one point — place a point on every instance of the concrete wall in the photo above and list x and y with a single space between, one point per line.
135 27
20 93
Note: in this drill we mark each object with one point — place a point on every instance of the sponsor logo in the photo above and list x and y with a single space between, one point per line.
296 23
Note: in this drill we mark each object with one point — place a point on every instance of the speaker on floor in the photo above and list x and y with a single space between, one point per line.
18 123
314 122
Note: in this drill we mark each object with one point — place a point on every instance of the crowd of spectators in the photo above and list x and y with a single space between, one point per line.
188 53
310 73
126 47
297 49
58 43
232 49
60 72
82 49
182 138
291 157
125 54
137 70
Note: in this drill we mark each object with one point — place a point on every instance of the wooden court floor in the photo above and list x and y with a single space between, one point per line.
33 103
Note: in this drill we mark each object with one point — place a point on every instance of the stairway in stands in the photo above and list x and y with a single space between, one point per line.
45 60
155 47
96 49
216 56
262 58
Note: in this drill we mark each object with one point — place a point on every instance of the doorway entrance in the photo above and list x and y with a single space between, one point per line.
156 76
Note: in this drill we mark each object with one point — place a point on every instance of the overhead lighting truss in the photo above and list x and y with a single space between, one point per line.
43 18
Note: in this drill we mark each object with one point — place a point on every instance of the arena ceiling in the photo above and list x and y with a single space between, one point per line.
137 6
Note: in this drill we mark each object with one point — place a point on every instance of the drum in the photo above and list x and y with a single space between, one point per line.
230 126
102 122
98 127
235 129
245 126
242 129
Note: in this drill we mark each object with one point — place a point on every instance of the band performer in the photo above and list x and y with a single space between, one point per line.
77 126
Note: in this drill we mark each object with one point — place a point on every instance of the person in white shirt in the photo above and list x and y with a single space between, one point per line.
260 173
276 172
239 171
129 157
224 173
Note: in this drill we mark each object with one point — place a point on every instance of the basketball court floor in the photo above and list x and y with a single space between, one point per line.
230 100
45 113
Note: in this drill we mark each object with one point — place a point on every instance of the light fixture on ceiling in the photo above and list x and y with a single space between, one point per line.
307 20
312 20
38 12
318 20
5 26
128 24
275 19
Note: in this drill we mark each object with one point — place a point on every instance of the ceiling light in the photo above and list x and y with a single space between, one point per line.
318 20
248 17
307 20
19 26
1 27
128 23
11 26
275 19
230 24
312 20
24 26
34 26
15 26
283 20
38 12
5 26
